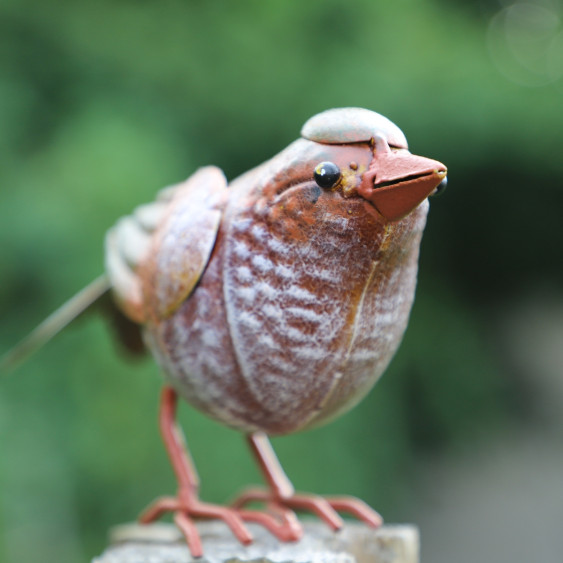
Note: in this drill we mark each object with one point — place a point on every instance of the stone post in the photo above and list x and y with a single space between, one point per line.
356 543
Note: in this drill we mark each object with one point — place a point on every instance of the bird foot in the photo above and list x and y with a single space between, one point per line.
280 521
325 508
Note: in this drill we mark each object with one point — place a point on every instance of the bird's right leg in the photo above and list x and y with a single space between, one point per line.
187 506
281 494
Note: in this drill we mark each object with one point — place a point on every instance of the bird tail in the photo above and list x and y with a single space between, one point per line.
54 323
126 245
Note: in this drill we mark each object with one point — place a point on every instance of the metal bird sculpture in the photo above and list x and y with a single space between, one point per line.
273 304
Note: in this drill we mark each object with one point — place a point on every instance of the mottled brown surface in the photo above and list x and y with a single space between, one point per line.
304 300
275 304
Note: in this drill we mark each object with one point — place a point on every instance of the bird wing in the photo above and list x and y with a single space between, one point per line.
178 250
128 245
154 259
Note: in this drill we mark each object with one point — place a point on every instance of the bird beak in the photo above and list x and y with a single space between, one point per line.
397 182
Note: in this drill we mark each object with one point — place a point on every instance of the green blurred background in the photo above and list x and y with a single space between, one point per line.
102 103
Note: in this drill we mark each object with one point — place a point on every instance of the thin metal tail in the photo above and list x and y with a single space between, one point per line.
54 323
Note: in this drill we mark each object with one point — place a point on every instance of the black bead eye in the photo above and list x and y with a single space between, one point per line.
440 188
327 174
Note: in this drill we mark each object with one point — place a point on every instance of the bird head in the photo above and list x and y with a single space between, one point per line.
367 155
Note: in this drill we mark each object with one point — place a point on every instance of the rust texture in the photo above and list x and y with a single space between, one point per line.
275 304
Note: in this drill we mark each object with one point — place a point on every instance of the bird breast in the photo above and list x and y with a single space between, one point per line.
298 313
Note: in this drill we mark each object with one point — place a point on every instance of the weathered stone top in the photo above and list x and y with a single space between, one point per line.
356 543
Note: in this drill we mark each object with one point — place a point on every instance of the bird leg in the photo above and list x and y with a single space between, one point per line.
281 494
187 506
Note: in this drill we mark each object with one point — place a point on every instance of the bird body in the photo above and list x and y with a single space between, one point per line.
296 297
285 331
272 304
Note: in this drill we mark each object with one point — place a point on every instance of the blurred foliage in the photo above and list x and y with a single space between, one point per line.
102 103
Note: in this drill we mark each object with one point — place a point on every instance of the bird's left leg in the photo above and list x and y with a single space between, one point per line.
187 505
281 493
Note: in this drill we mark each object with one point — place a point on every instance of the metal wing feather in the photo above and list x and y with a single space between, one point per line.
190 211
181 246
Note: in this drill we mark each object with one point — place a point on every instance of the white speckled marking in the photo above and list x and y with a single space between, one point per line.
248 294
284 272
244 274
307 315
262 263
240 249
301 294
277 246
273 312
296 335
309 352
248 320
242 225
259 233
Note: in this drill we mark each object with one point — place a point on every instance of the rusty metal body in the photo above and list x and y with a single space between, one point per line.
301 307
274 304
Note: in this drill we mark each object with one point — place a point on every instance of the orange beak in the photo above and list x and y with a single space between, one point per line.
397 182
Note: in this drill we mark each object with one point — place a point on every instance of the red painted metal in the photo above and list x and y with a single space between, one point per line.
274 305
280 499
